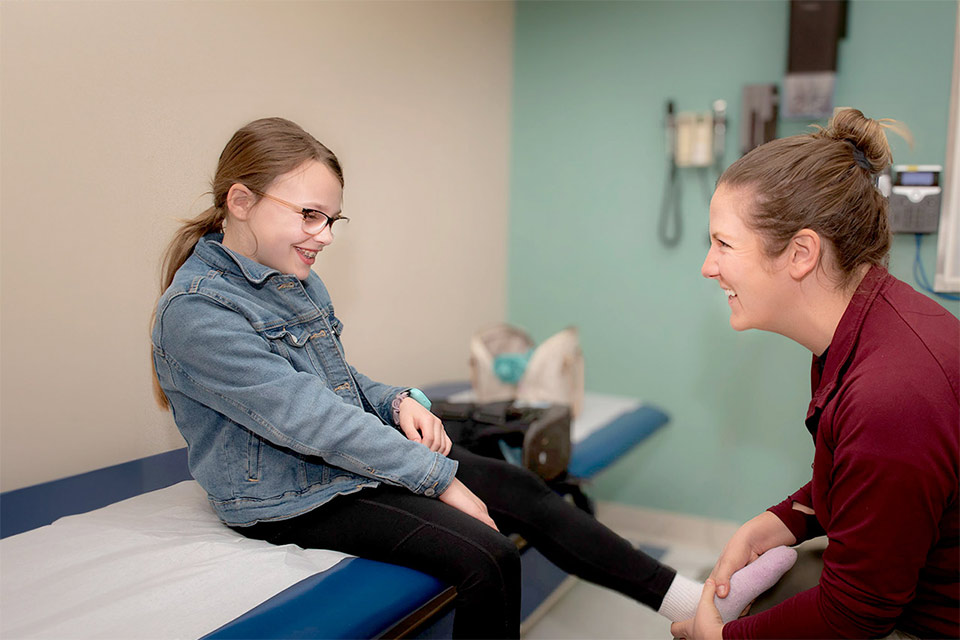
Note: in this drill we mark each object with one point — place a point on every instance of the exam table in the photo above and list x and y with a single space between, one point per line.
134 550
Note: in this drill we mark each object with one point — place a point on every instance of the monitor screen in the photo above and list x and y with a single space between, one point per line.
917 178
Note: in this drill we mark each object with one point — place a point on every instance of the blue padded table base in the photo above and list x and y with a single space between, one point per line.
602 447
370 598
357 598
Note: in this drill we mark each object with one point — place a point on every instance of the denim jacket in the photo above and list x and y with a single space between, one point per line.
276 421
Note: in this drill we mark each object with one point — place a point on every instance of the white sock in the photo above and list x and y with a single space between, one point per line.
681 600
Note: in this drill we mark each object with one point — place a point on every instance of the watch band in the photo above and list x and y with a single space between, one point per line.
414 393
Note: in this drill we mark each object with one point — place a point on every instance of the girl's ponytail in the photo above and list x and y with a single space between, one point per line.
185 240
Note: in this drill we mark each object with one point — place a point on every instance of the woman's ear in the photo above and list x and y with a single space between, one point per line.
804 253
240 200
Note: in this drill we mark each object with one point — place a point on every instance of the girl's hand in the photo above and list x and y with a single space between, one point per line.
706 624
758 535
420 425
459 497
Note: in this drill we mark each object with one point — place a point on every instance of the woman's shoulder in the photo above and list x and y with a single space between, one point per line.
913 336
915 307
896 403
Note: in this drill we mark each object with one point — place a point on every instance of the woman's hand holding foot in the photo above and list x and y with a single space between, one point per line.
753 579
757 536
706 624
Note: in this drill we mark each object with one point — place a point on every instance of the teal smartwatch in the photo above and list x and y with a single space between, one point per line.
421 397
416 394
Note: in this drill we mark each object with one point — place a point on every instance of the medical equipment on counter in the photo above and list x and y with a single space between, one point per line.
506 364
915 198
694 140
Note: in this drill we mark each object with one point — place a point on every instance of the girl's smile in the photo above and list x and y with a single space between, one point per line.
272 233
308 256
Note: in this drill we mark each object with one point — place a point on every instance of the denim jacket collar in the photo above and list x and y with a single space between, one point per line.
211 250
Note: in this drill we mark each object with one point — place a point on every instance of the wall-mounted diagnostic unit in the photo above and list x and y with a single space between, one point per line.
915 198
695 140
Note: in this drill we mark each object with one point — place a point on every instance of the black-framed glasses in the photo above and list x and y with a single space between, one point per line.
314 221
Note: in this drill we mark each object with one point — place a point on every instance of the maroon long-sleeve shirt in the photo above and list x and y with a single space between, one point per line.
885 418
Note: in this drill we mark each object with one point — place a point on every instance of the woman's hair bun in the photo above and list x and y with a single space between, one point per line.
826 181
866 136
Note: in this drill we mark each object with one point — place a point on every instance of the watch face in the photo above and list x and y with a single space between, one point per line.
420 397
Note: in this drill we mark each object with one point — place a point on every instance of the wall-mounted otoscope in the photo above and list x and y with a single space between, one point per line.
670 227
694 140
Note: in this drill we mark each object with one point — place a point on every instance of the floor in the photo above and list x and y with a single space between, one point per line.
582 610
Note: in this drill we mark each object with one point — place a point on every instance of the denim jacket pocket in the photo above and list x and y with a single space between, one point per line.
293 342
312 472
284 336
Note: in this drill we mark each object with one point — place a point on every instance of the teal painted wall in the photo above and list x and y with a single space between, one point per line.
588 168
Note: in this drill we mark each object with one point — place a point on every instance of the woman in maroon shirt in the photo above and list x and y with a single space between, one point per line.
799 243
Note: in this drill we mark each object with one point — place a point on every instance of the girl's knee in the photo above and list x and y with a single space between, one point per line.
497 563
505 555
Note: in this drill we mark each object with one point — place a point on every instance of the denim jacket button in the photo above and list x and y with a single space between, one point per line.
429 492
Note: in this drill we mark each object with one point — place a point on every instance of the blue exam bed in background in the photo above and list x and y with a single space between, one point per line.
355 598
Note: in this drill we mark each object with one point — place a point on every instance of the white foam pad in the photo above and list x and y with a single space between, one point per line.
159 565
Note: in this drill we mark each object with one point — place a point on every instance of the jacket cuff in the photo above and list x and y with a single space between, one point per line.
395 406
384 407
440 476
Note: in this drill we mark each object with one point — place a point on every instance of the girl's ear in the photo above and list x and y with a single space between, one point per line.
240 200
804 253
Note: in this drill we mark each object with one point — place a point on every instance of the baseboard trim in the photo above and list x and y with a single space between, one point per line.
665 528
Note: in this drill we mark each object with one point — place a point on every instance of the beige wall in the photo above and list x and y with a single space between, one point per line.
112 115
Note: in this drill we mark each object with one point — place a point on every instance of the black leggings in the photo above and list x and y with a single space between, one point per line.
391 524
